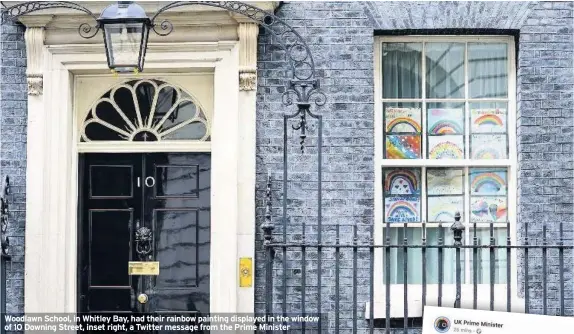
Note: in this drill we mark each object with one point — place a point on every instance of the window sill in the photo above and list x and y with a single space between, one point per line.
415 306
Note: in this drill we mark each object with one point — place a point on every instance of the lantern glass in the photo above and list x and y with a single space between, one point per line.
125 44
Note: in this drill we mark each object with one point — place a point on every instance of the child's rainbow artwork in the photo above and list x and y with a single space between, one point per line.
488 120
487 182
403 147
446 147
445 121
488 147
403 120
400 209
402 182
444 181
443 208
488 209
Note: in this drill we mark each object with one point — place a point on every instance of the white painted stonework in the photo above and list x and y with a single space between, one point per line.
211 44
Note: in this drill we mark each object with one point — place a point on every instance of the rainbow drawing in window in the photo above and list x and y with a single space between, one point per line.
488 147
443 208
403 147
488 209
445 181
488 120
400 209
402 120
487 153
401 182
445 121
484 182
446 147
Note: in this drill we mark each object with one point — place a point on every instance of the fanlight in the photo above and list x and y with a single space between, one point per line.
146 110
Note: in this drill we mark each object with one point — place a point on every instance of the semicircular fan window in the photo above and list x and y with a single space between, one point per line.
145 110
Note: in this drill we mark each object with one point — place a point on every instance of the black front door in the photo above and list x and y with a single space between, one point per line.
151 208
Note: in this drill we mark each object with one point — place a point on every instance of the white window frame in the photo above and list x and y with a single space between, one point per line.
414 291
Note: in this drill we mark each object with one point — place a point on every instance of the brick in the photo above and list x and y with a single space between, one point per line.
13 119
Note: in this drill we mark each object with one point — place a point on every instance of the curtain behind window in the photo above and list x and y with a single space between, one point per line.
402 70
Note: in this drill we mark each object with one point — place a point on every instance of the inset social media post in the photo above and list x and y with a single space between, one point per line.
455 320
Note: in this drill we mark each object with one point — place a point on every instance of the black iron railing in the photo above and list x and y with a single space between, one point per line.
4 243
313 266
289 264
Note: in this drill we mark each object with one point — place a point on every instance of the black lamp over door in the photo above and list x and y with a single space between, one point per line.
126 30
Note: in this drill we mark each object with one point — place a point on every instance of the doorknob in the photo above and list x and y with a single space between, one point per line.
142 298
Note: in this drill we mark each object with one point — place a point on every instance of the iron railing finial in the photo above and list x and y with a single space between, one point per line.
457 228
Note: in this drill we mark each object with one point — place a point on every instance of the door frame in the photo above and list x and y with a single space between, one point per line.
52 171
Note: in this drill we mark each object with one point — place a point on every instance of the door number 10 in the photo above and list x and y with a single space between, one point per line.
149 182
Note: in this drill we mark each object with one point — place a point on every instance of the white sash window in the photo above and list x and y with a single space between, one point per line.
445 143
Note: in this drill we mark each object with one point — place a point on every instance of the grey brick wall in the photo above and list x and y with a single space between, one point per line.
545 85
340 36
13 101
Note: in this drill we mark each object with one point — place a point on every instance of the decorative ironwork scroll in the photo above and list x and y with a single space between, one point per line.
4 214
85 30
302 88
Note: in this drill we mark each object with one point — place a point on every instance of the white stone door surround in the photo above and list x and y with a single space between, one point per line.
52 152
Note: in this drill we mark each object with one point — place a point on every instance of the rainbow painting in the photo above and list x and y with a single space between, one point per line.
445 121
488 182
402 210
445 127
488 209
403 147
488 147
488 120
487 153
446 148
403 124
444 181
443 208
401 182
403 120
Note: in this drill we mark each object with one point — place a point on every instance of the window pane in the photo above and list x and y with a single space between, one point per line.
443 208
488 117
442 184
445 70
177 112
483 255
414 256
487 147
402 123
445 130
488 201
489 138
401 191
488 181
445 118
488 70
445 181
402 66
